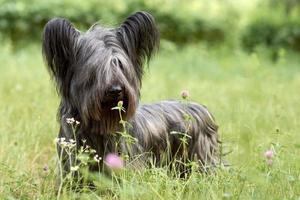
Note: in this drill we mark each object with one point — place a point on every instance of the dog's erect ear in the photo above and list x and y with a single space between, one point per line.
139 37
59 44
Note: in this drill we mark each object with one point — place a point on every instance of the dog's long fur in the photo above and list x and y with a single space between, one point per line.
85 66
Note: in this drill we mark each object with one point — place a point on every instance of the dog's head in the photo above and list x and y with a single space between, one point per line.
96 69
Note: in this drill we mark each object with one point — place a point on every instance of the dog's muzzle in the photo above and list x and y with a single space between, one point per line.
114 94
115 91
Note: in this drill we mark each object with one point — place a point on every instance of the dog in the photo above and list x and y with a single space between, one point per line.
95 70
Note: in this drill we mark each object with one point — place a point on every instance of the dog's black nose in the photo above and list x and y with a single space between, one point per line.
114 90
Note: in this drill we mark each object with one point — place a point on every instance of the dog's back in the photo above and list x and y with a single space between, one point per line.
167 125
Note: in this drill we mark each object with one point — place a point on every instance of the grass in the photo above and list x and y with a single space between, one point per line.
255 102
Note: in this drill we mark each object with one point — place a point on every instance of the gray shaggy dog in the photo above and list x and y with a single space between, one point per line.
95 70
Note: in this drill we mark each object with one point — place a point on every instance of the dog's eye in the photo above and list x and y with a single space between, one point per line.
121 66
116 62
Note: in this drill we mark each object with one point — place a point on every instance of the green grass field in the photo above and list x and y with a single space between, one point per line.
255 102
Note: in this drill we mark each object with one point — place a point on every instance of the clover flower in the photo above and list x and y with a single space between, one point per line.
269 155
185 94
113 161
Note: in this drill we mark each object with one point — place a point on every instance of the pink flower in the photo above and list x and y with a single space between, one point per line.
269 162
269 154
113 161
185 94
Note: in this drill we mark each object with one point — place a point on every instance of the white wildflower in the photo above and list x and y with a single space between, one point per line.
70 120
75 168
72 141
93 151
97 158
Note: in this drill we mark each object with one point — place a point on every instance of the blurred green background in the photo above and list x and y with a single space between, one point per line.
239 24
238 57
